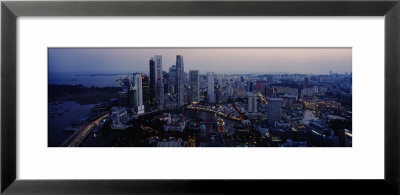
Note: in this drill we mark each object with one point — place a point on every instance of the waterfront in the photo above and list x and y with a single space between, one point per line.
154 100
61 115
204 115
117 137
87 79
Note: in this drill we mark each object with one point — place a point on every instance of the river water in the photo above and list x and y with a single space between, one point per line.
194 114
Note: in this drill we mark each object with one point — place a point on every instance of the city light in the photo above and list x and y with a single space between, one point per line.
172 104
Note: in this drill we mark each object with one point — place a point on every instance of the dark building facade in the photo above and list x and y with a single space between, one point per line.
153 77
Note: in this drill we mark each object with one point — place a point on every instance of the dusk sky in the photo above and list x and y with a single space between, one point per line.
219 60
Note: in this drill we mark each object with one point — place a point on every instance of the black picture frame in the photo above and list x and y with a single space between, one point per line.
11 10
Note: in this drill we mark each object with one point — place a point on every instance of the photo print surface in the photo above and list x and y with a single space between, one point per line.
199 97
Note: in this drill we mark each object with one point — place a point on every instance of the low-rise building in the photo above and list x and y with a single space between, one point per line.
118 117
171 144
174 122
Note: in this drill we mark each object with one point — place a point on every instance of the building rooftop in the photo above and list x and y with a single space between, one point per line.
274 99
171 144
117 109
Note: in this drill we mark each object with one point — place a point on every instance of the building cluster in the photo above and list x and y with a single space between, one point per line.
173 122
303 110
285 109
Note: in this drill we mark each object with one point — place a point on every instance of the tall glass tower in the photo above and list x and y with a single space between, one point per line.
180 81
172 80
138 97
210 87
153 79
194 85
159 82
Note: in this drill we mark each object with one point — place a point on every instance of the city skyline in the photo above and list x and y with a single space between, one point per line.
183 108
218 60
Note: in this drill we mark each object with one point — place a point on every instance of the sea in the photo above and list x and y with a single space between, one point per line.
63 113
60 115
88 79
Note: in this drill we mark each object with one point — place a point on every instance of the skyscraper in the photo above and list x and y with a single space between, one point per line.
172 80
250 86
252 103
153 79
270 79
210 87
138 97
180 81
194 85
230 91
166 81
267 90
306 82
159 82
274 110
146 89
131 97
241 83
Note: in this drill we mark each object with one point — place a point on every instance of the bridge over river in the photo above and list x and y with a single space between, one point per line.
78 136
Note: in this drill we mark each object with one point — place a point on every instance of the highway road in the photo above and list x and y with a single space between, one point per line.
81 134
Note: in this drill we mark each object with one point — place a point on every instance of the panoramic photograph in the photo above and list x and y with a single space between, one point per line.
200 97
